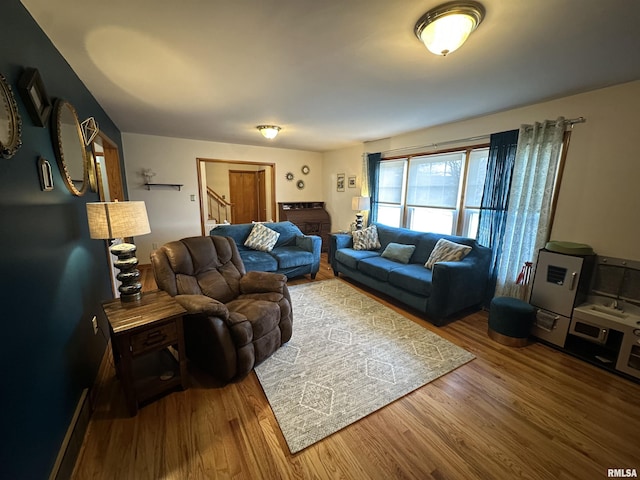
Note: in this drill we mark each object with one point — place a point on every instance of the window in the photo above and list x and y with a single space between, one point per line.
438 192
390 193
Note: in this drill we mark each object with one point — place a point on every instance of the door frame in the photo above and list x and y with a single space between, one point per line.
202 186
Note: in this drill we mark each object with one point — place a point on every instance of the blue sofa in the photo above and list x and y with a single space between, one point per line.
439 293
294 253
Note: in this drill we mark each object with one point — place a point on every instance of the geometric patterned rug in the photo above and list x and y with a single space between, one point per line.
348 357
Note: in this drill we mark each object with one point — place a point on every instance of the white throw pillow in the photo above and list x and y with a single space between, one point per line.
262 238
366 239
446 251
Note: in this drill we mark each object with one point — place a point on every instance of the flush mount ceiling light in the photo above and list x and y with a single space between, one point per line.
268 131
445 28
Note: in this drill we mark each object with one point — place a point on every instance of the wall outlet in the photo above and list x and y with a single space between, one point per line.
94 322
154 245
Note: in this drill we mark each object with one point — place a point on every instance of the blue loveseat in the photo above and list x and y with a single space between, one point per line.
440 293
294 253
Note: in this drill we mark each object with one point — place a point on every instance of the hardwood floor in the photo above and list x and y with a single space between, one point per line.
529 412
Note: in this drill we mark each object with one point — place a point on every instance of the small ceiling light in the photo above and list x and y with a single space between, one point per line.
445 28
269 131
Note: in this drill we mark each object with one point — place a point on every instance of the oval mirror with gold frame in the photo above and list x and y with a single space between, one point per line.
69 147
10 123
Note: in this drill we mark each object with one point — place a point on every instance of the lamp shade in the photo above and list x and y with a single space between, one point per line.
117 219
445 28
360 203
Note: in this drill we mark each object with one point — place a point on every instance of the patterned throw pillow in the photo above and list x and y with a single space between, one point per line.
446 251
366 239
262 238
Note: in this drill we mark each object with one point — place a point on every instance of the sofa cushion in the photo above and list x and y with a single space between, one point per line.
289 257
351 257
262 238
239 232
288 233
388 234
366 239
413 278
259 261
398 252
377 267
447 251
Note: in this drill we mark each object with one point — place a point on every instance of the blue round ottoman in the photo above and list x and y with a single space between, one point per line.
510 321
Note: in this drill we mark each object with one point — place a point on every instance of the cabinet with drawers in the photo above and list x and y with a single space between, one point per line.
310 217
148 346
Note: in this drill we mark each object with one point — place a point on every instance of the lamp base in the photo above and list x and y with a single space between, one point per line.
359 221
130 290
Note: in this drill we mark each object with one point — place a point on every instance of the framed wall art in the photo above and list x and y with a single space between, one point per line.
46 175
35 96
352 181
340 182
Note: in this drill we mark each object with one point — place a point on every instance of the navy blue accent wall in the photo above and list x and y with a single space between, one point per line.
53 277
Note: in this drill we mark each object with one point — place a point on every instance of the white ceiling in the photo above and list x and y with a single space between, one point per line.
331 72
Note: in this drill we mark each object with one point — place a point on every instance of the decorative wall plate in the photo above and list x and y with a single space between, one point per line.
289 176
300 184
305 169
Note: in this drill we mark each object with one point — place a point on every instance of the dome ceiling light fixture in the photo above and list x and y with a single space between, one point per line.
445 28
269 131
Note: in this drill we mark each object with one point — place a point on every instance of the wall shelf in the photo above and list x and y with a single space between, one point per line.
172 185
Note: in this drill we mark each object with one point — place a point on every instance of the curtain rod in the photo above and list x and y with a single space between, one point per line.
571 122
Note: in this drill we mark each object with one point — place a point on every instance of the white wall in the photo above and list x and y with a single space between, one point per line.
599 198
338 204
172 214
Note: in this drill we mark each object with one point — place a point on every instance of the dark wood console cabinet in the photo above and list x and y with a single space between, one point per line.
310 217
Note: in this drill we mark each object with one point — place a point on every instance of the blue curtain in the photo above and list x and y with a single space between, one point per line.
373 167
495 199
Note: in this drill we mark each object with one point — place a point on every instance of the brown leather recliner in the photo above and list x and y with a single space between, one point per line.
236 319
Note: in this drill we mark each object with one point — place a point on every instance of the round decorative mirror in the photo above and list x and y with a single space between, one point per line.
69 147
10 123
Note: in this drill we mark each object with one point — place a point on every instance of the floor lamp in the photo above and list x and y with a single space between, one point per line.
114 220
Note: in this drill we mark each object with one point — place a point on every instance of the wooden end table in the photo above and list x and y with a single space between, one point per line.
144 337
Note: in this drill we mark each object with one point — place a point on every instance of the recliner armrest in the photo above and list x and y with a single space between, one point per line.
261 282
194 304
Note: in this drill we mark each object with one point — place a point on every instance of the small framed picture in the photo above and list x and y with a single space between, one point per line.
46 176
340 183
352 181
35 97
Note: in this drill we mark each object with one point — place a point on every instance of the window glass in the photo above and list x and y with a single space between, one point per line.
390 180
390 215
475 177
436 220
434 180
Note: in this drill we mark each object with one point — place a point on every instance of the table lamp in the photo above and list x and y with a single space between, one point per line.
359 204
114 220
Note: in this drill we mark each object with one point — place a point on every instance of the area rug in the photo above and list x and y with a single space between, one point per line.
349 356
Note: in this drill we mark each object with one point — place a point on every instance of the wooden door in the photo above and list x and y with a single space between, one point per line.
247 192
